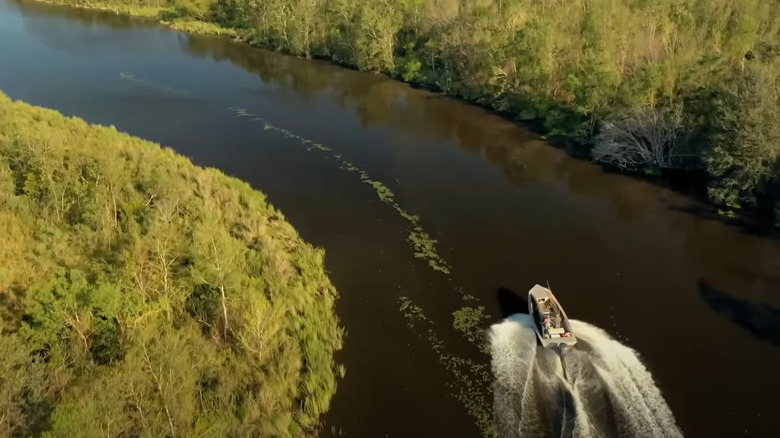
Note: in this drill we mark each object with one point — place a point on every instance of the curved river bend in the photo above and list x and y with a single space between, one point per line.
374 171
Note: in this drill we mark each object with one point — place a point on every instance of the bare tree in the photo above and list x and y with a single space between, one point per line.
641 139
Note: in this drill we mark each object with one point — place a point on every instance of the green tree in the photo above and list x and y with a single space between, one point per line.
144 296
745 139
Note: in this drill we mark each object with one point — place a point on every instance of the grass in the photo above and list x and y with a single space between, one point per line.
199 27
167 16
118 8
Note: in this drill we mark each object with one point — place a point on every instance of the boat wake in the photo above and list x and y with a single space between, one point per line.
609 393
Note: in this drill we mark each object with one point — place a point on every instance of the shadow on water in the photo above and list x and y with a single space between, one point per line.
756 224
510 302
761 320
522 156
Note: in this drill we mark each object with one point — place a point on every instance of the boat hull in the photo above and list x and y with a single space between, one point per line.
541 303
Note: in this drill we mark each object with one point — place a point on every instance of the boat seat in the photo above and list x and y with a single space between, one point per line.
557 331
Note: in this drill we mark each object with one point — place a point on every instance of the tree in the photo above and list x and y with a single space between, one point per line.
745 136
642 140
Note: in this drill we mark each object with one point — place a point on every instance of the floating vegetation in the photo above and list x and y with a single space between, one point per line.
468 321
425 248
423 244
475 391
385 194
341 370
346 165
163 88
472 381
466 297
413 313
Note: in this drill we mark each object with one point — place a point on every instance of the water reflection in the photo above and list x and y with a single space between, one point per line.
523 158
97 34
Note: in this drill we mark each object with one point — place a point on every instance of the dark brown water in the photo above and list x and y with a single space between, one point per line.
699 300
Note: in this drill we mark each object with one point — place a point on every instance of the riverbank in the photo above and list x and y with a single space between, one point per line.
168 16
642 103
144 295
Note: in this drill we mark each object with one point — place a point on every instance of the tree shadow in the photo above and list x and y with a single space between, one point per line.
749 223
11 308
761 320
510 302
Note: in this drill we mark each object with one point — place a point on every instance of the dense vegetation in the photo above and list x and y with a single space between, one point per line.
141 295
647 85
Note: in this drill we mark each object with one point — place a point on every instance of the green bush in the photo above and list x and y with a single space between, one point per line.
231 13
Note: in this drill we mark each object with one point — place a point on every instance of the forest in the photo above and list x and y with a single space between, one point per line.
683 86
141 295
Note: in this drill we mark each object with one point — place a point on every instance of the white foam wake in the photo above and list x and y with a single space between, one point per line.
609 392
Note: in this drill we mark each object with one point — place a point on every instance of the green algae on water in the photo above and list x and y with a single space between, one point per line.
412 312
471 386
423 244
468 321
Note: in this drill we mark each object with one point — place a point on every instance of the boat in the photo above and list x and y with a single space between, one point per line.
550 321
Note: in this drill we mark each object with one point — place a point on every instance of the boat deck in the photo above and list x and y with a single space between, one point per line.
547 305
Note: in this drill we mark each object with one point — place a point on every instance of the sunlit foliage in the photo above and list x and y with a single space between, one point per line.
141 295
573 66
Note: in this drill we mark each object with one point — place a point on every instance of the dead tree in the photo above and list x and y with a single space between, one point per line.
642 139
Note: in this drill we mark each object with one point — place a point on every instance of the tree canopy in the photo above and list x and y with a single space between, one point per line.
574 66
141 295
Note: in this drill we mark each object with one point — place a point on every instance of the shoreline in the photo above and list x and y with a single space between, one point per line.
154 14
576 146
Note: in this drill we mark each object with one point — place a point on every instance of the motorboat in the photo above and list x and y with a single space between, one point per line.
550 321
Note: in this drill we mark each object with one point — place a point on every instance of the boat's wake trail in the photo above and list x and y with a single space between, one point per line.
609 393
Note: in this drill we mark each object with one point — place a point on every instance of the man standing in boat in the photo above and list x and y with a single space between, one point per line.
546 326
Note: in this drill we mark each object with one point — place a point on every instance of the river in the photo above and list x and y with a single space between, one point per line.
365 167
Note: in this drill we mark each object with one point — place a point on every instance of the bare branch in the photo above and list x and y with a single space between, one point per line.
646 138
159 388
151 198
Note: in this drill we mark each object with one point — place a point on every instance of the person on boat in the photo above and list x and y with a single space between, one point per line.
546 328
